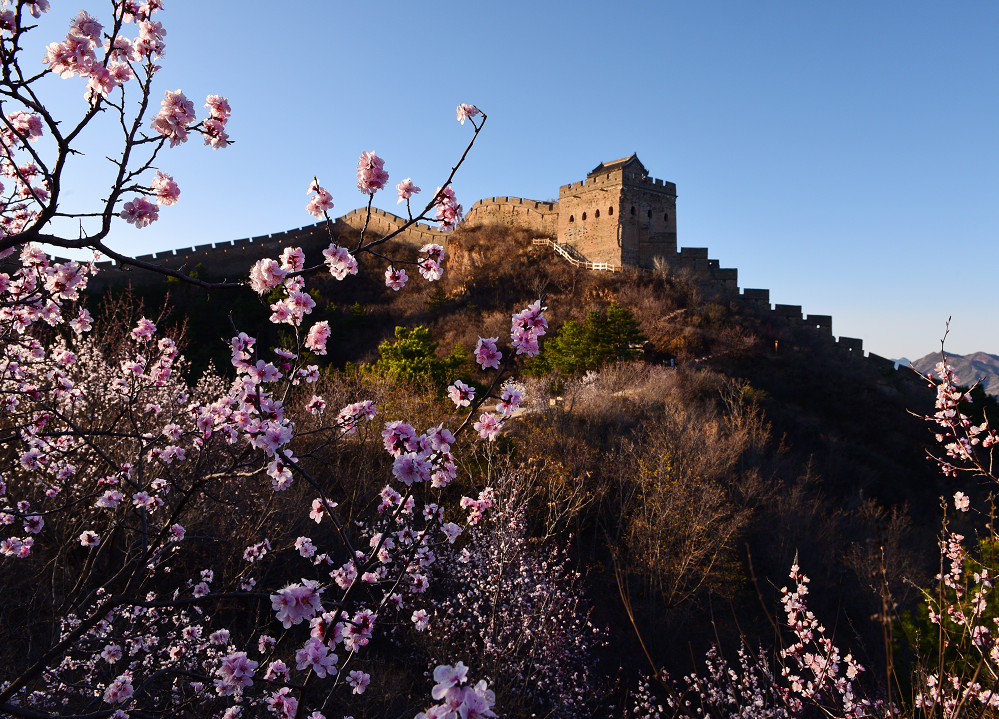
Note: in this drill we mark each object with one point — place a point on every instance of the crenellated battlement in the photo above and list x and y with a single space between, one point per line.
617 218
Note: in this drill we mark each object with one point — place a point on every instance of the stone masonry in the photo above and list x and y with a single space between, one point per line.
617 217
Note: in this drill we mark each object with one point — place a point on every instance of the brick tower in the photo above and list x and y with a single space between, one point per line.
619 215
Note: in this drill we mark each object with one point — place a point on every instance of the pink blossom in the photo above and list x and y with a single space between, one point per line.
101 82
177 532
317 509
440 438
120 690
111 653
395 279
406 189
510 400
461 394
532 318
488 426
320 202
466 111
140 212
167 192
398 436
235 673
524 341
410 467
433 252
446 678
316 656
219 638
305 547
451 531
265 275
34 524
82 322
296 602
448 210
90 539
218 108
11 546
371 175
961 501
150 42
73 56
109 500
316 405
144 330
257 551
430 270
86 26
319 333
359 681
37 7
283 703
121 51
214 134
351 415
486 353
340 261
174 117
421 619
292 259
27 125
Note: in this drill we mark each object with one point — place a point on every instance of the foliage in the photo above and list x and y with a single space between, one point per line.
599 340
413 358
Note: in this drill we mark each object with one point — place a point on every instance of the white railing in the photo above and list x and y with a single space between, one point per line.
573 256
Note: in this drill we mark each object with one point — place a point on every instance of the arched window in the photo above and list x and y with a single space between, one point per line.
610 210
572 218
584 217
632 210
597 213
650 214
666 217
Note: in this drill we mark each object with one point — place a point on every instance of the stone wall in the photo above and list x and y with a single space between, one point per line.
619 218
231 260
539 217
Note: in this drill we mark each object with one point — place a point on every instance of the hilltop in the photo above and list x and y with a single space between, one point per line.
785 441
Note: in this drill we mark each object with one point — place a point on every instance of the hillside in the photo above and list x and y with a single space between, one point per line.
969 368
687 481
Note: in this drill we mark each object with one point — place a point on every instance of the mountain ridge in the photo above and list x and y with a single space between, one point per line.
969 368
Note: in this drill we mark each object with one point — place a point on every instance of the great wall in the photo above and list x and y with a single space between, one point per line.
617 219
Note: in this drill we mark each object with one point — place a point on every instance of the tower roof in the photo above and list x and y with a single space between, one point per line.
631 162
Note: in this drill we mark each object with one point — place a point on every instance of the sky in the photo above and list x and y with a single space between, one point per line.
844 155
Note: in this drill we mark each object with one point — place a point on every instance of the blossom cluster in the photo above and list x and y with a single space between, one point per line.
469 702
120 469
824 675
371 174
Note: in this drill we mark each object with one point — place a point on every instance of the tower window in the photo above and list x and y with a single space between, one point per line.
584 217
650 214
610 210
666 217
572 218
597 213
632 210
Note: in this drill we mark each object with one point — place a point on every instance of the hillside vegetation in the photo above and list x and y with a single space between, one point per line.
685 473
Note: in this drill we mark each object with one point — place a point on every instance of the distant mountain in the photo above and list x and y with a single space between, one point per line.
969 368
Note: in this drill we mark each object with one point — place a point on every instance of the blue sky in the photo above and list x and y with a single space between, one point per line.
843 155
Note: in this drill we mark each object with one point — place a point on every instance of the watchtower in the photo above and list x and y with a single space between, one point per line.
619 214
